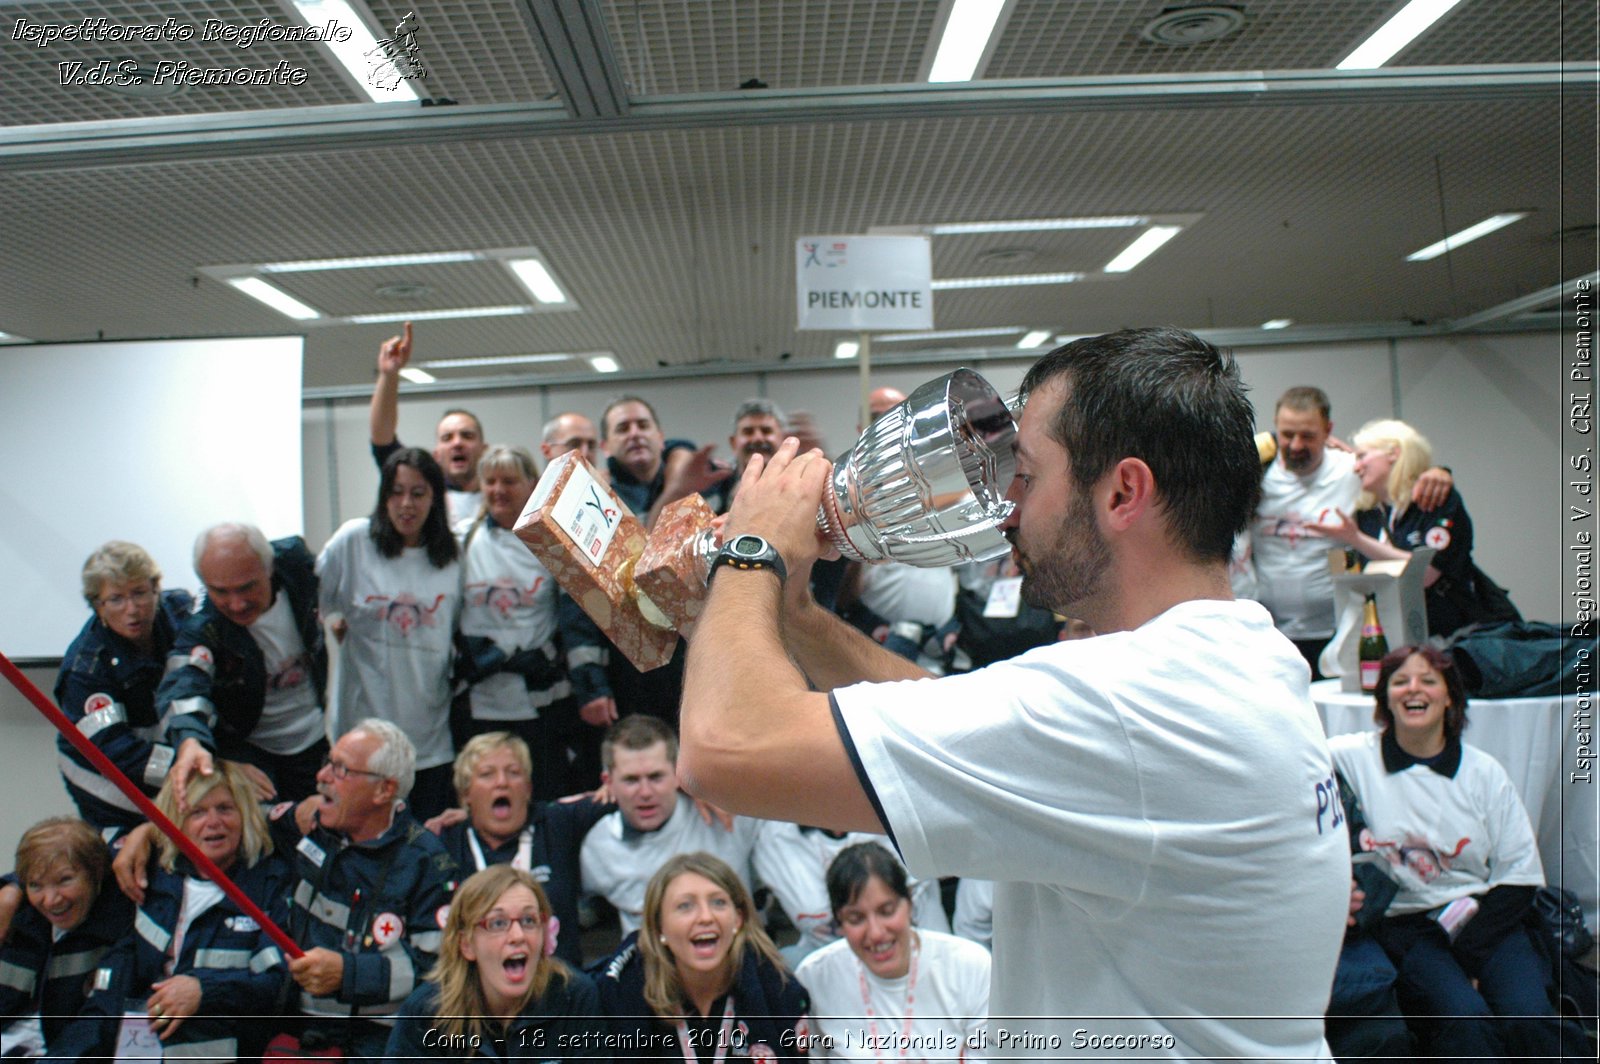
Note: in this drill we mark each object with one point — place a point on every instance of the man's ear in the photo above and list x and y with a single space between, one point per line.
1131 490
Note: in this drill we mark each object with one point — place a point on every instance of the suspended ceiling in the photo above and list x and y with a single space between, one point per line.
669 209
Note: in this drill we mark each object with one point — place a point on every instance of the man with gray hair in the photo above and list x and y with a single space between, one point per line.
758 428
246 675
371 887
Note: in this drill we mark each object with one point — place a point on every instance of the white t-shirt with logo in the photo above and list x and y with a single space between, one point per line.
1151 804
291 719
394 663
1292 579
507 596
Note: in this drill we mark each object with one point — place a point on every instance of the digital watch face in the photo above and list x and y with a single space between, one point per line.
748 546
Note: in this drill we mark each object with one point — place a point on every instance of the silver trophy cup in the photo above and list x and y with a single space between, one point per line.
926 483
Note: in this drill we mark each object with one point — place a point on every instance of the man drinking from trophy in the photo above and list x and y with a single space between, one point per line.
1147 800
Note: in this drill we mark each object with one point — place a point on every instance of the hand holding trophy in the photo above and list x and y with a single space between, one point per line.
925 485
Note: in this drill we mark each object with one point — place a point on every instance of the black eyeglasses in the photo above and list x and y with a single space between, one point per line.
342 770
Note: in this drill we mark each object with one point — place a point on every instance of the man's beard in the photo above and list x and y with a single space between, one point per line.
1070 569
1298 461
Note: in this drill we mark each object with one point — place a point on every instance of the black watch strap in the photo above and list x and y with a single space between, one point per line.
749 553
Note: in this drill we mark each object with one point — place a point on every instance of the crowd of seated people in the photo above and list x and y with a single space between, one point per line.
417 847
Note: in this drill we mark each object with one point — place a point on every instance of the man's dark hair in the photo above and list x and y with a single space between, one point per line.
1173 401
1305 397
436 537
464 413
605 415
637 731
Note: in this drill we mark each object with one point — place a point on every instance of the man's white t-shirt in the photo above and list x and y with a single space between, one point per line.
394 663
618 862
1152 804
291 719
949 1003
1291 564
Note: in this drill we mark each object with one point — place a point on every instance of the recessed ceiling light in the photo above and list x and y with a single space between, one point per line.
277 298
493 360
1037 338
846 349
1406 25
966 36
357 51
1143 247
537 280
946 334
437 315
1466 236
1278 323
368 262
1037 225
1002 282
418 376
603 364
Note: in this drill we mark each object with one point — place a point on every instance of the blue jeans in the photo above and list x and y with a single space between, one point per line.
1364 1018
1509 1014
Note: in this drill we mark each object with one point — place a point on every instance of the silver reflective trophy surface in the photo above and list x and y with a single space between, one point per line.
926 483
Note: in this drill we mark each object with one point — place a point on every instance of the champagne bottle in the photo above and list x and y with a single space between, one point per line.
1373 645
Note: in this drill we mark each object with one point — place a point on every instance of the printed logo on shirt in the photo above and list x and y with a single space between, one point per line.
503 596
1438 537
242 924
96 702
200 657
1414 857
403 613
386 928
280 809
291 673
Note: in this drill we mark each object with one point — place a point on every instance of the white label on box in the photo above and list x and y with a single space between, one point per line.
587 513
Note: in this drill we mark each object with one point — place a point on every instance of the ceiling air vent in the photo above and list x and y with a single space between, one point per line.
1182 27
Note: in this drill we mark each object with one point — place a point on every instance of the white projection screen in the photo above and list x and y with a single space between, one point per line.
148 441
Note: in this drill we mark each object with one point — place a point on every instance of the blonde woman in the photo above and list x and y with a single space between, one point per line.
496 991
1390 456
196 964
700 980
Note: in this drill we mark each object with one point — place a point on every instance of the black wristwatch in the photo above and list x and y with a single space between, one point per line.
749 552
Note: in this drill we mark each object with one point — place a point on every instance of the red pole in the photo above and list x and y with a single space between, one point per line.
111 772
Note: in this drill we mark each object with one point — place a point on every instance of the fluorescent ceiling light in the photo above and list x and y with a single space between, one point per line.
537 280
357 53
437 315
418 376
370 262
12 338
1142 248
277 298
1278 323
603 363
1466 236
945 334
1038 225
493 360
1037 338
1399 31
1001 282
966 35
846 349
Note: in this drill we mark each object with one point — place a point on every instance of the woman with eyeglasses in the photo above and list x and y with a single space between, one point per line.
497 991
700 980
393 581
108 680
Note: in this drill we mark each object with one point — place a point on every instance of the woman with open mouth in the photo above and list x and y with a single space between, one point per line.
700 980
1449 829
887 990
497 991
195 964
69 923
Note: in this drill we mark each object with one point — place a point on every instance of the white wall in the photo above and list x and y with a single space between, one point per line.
1490 404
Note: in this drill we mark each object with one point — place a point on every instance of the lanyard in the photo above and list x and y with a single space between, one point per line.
911 1000
523 860
724 1039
